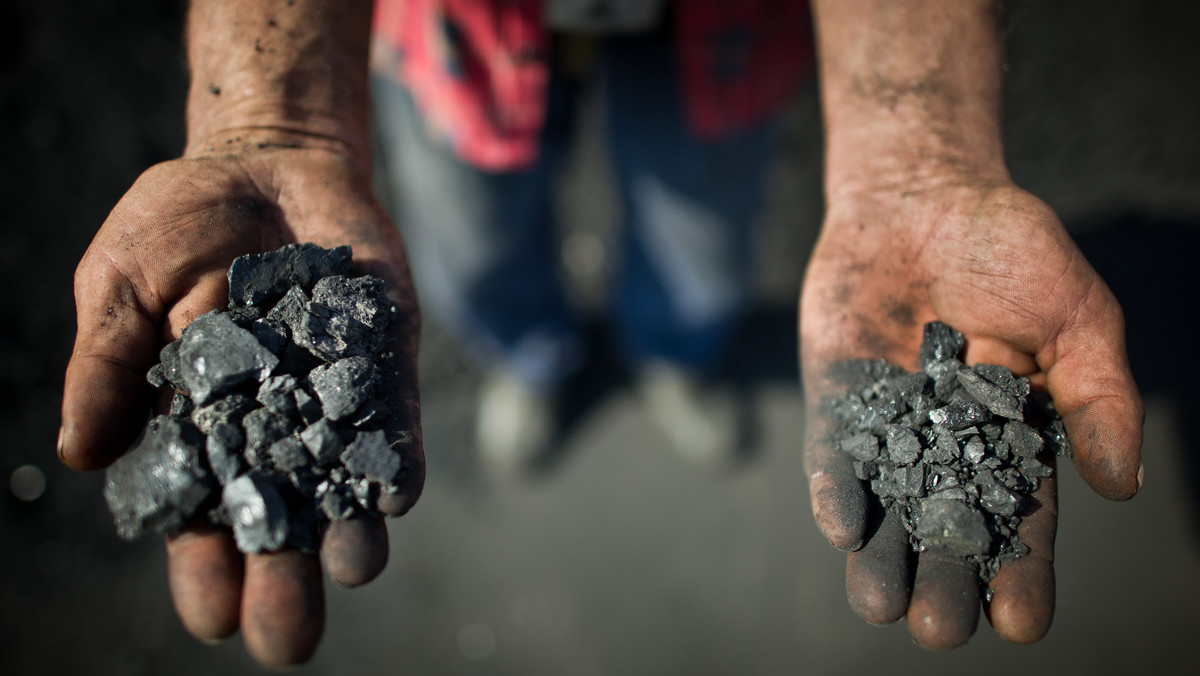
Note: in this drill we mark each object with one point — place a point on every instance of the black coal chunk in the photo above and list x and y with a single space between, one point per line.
322 441
940 343
990 395
215 355
862 446
902 444
229 410
258 278
1022 439
276 393
258 512
959 415
370 456
224 448
160 482
263 428
344 385
289 454
953 527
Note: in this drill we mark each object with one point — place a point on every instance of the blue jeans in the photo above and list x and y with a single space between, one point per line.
483 246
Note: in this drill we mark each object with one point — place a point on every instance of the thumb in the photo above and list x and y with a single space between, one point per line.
1087 373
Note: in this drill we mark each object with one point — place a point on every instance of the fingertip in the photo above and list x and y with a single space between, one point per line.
283 608
1022 605
840 508
879 576
944 612
355 551
104 408
1107 441
204 575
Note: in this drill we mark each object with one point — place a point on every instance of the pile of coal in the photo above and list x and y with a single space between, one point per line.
279 423
953 450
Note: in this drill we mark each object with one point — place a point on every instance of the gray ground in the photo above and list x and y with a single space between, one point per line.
621 559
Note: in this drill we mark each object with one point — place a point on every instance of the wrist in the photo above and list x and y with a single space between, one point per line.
263 125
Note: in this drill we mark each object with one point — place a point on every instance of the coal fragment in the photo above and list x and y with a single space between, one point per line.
276 393
322 441
307 406
370 456
215 355
229 410
990 395
271 333
940 343
952 527
903 446
1022 439
160 482
344 385
862 446
959 415
289 454
258 512
224 446
257 278
263 428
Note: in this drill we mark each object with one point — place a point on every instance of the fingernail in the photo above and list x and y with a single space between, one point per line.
59 445
1141 474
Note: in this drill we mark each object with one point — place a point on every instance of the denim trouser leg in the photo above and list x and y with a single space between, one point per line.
690 205
481 244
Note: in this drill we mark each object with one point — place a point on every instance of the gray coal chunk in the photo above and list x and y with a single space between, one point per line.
276 393
181 406
258 278
1034 468
160 482
370 456
289 311
271 333
215 355
289 454
902 444
945 377
862 446
974 450
323 442
1003 377
940 343
990 395
953 527
959 415
910 386
338 504
224 449
943 446
230 410
1022 439
307 406
263 428
258 512
364 493
345 318
865 471
245 316
344 385
910 481
155 376
168 363
998 499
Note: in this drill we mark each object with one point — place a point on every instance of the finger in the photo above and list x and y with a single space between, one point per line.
879 576
105 394
283 607
945 601
839 503
355 551
1088 375
1022 604
204 574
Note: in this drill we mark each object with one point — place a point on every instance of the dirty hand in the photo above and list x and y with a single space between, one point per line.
995 263
159 261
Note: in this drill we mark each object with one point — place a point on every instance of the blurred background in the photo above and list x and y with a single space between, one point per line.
620 558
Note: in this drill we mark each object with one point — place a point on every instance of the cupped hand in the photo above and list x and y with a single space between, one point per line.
159 261
995 263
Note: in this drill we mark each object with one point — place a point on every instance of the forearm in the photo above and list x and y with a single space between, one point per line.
910 92
277 72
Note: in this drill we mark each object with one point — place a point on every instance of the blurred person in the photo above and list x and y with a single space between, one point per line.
922 222
475 102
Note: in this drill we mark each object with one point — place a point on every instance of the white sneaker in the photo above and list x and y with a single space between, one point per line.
702 423
515 423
